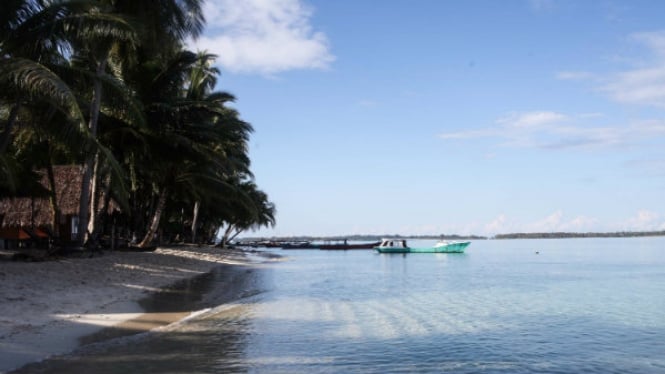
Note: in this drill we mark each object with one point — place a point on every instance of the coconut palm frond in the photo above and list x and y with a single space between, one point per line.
119 103
103 28
221 97
27 78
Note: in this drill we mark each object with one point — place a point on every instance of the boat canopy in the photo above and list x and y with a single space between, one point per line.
393 243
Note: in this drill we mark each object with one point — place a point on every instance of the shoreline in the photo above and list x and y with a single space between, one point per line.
54 307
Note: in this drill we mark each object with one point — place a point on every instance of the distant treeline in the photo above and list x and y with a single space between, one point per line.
371 237
535 235
561 235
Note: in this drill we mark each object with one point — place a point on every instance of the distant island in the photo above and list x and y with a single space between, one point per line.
563 235
534 235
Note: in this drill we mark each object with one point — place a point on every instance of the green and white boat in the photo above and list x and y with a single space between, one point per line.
400 246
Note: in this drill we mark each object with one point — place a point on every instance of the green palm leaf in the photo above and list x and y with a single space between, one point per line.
21 77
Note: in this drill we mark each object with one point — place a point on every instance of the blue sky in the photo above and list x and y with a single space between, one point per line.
431 117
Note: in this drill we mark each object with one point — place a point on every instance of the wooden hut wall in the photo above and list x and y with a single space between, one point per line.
37 212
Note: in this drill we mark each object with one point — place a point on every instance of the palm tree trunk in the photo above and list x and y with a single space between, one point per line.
94 196
84 204
103 213
227 234
238 231
52 196
195 220
154 225
96 221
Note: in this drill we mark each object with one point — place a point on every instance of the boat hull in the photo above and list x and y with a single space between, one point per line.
345 247
457 247
306 245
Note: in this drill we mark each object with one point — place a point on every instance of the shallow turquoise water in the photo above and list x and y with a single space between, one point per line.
514 306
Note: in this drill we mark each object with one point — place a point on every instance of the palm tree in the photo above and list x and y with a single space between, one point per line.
250 210
162 23
99 48
32 38
202 80
39 41
109 78
195 142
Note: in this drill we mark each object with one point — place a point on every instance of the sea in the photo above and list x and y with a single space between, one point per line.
593 305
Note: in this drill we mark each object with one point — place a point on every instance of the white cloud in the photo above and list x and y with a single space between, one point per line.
575 75
654 40
645 220
514 126
550 223
554 222
266 37
644 84
498 225
539 129
641 84
531 119
555 131
651 126
581 224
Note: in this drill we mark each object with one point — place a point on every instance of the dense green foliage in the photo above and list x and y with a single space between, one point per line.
109 86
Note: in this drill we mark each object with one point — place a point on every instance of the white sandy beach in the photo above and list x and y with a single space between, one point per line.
46 307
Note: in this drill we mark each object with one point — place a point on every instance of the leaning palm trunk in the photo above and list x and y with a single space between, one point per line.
230 233
86 180
238 231
154 224
225 237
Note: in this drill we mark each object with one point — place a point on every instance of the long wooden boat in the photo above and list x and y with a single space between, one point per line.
400 246
298 245
345 245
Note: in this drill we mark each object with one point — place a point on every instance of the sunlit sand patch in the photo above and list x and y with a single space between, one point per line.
156 270
104 320
142 288
122 324
71 297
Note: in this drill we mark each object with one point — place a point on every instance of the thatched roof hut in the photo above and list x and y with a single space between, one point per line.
37 211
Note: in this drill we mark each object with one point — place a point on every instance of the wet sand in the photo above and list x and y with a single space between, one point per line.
53 307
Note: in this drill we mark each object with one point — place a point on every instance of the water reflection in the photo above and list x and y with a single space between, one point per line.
198 347
498 309
191 346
